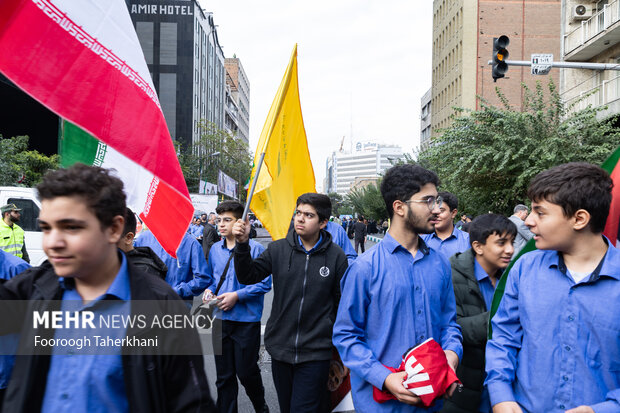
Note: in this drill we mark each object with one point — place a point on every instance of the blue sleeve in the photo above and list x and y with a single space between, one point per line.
202 277
349 329
260 288
212 284
611 405
502 349
342 240
451 338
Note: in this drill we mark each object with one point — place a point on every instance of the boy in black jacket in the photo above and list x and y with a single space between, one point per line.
306 268
82 219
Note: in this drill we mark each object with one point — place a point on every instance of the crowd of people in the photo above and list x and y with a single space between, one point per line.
555 343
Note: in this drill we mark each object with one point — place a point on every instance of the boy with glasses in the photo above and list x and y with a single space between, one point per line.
396 296
240 310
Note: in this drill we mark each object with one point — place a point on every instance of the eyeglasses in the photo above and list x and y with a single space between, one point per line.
431 202
226 220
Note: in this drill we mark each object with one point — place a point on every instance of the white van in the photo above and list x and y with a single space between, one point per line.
26 199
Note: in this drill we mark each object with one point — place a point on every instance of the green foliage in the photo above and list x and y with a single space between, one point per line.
489 156
21 167
338 203
216 149
368 202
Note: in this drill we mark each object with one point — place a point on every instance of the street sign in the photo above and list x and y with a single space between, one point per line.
541 63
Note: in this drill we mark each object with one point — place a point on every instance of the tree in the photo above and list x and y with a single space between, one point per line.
337 203
21 167
368 201
216 150
489 156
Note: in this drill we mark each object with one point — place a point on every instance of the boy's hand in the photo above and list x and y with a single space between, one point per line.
227 301
507 407
453 362
394 384
207 296
581 409
241 230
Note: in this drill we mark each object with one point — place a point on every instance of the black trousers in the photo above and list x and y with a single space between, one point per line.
360 242
238 349
301 387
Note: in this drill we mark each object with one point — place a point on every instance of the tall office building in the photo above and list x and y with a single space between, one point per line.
181 47
463 32
240 93
591 30
425 120
370 160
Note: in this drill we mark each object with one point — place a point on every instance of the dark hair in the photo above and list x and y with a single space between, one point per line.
488 224
450 199
402 181
130 222
234 207
574 186
101 191
320 202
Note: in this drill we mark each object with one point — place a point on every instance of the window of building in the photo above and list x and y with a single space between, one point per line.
168 98
168 44
144 31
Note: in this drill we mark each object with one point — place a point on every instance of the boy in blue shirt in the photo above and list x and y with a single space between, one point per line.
447 238
397 295
556 334
240 310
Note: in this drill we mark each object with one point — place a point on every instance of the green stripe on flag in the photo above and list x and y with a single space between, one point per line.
77 145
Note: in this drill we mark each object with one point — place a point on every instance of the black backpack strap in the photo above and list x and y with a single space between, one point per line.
223 276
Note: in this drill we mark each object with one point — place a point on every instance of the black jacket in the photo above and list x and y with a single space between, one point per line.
144 259
209 237
306 295
153 382
360 230
473 317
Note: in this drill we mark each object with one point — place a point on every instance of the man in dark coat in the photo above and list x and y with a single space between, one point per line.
209 235
475 273
360 231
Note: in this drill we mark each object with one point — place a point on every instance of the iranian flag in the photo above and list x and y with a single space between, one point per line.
613 220
82 60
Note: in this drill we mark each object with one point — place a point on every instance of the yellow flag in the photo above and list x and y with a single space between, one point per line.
287 170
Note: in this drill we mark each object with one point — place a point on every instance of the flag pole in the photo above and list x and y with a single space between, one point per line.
287 80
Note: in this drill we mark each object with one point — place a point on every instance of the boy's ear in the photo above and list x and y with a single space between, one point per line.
477 247
115 231
323 223
581 219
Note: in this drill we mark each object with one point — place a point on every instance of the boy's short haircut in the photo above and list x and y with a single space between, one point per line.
402 181
481 228
130 222
574 186
234 207
101 191
320 202
450 199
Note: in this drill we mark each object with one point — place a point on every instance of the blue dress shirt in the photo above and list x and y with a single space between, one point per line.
392 301
457 242
249 308
556 343
484 283
90 382
340 238
187 274
10 266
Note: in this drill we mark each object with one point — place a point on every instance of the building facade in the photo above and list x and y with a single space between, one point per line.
182 50
240 93
463 32
591 33
369 160
425 120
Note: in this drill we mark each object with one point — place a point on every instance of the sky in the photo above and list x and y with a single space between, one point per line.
363 66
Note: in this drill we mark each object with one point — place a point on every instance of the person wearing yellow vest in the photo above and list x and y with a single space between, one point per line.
12 235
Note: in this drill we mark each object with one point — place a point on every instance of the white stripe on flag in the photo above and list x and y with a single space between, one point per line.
421 391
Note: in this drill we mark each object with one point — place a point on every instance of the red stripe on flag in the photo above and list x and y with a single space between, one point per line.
56 69
157 216
613 219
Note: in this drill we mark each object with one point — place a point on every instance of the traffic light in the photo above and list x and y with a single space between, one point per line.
500 54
